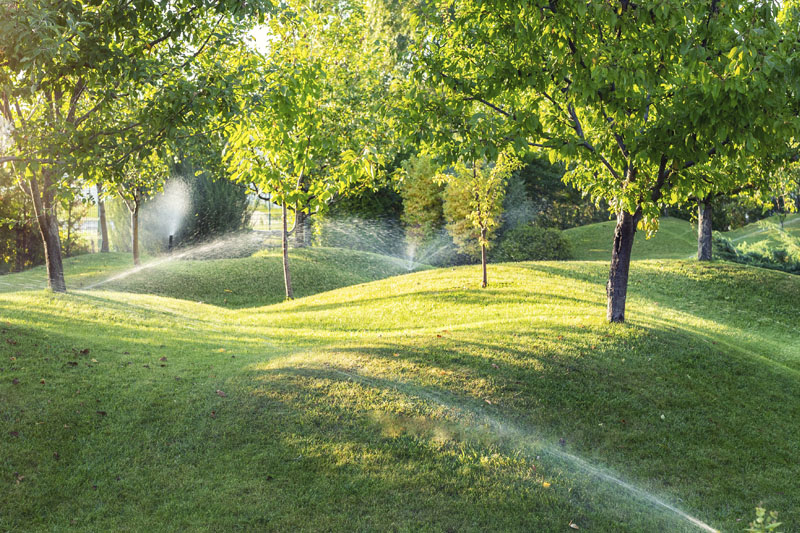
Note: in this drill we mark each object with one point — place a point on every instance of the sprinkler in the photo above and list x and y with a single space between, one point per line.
169 246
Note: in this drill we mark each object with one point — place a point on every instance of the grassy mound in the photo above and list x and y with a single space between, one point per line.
241 282
413 403
258 280
675 239
79 272
757 231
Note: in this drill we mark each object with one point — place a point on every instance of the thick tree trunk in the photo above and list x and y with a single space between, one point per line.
485 281
617 287
704 212
101 220
287 276
300 229
135 233
44 209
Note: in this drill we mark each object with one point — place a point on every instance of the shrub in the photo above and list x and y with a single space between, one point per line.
783 255
533 243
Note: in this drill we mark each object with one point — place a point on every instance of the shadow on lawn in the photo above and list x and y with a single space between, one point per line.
607 405
358 433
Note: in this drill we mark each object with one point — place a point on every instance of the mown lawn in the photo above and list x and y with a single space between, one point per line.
675 239
413 403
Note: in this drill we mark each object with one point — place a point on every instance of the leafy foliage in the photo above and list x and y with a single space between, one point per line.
532 243
423 213
217 206
783 255
764 522
473 202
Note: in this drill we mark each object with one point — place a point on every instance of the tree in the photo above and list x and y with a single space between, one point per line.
473 204
101 219
64 66
641 100
141 180
422 199
307 133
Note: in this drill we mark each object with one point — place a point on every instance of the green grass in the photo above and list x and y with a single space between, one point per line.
413 403
757 231
79 271
242 282
675 239
258 280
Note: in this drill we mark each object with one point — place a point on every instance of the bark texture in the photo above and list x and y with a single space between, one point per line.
300 237
485 281
135 233
617 287
704 212
101 219
287 275
44 209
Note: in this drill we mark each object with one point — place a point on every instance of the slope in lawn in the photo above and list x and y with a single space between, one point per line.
258 280
241 282
79 271
758 231
675 239
413 403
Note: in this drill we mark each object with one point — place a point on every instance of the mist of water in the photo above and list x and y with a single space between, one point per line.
165 213
387 238
476 420
239 245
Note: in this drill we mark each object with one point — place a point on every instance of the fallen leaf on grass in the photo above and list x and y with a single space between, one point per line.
14 433
14 381
220 393
42 382
545 484
12 342
13 358
19 477
573 525
101 413
85 351
162 359
95 361
72 363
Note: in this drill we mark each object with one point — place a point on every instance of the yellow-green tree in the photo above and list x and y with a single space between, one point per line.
473 204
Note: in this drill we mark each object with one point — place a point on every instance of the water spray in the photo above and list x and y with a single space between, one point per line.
497 427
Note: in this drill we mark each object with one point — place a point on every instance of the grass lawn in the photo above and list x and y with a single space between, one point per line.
757 232
411 403
675 239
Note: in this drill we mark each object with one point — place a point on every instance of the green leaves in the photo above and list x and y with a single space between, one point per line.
310 127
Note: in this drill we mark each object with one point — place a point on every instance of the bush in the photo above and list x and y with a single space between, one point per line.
784 255
532 243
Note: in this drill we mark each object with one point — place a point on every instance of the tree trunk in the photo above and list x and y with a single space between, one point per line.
44 209
617 287
300 229
101 220
287 276
22 249
485 281
704 212
68 244
135 233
